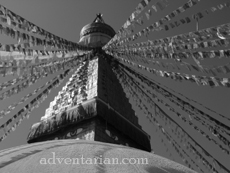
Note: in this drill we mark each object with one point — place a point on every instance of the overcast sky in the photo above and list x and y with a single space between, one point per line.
66 18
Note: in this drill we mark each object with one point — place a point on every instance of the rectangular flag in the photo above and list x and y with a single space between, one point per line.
147 1
154 8
148 14
140 6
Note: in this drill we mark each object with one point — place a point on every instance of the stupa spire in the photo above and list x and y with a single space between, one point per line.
99 18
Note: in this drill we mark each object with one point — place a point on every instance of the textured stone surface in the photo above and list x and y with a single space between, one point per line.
26 159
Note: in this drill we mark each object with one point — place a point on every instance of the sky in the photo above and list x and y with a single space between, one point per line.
66 19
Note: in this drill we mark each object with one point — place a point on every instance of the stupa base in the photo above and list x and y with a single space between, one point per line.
81 156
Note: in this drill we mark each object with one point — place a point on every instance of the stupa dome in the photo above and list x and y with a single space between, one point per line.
97 33
78 156
97 27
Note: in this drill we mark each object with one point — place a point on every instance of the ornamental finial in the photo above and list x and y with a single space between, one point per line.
99 15
99 18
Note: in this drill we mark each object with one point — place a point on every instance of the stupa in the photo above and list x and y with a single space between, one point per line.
90 118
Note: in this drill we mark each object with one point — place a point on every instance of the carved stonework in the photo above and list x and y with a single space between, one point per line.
91 97
63 120
84 131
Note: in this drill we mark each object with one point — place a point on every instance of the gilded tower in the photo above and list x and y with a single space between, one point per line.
92 105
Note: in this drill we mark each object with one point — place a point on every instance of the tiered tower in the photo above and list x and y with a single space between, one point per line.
92 105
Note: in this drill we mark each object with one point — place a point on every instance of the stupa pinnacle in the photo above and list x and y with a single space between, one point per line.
97 33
